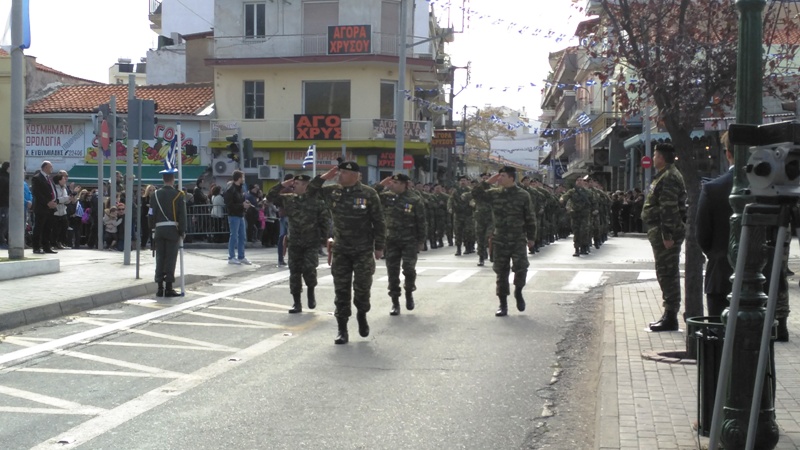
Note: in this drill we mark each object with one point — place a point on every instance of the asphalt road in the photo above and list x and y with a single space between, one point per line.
227 367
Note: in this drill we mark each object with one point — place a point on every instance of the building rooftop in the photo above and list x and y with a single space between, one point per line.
172 99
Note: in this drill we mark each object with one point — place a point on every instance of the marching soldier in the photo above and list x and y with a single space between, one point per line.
579 207
459 206
359 234
405 236
439 214
484 224
167 216
308 229
514 231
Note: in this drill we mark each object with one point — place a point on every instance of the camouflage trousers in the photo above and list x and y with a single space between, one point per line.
430 229
303 262
464 230
506 254
667 269
401 254
581 230
352 271
439 226
484 227
448 229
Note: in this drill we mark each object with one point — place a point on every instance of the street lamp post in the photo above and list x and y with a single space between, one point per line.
750 317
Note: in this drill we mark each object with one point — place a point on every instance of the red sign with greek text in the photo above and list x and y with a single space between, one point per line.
317 127
349 39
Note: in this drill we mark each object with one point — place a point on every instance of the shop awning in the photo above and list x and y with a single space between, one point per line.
639 138
87 174
600 137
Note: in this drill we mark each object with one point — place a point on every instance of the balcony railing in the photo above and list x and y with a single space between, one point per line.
287 45
154 5
283 130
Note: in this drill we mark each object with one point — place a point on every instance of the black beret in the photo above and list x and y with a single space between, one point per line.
349 165
462 177
525 178
508 169
302 178
401 177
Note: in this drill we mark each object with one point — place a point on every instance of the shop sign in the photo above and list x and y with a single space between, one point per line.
349 39
318 127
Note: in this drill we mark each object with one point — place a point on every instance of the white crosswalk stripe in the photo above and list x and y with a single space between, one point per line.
458 276
402 277
647 275
584 280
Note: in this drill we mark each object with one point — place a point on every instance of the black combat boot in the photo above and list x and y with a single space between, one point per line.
409 300
458 250
433 244
312 299
363 326
160 291
503 309
342 337
577 251
449 241
783 330
469 249
425 246
169 292
480 261
668 322
584 250
518 297
298 305
441 244
395 311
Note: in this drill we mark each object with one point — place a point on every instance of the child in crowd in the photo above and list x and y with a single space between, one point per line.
111 222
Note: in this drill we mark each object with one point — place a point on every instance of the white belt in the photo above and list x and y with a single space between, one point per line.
167 224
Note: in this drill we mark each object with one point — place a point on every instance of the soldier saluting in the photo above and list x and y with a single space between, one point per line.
514 231
168 218
405 236
308 229
359 234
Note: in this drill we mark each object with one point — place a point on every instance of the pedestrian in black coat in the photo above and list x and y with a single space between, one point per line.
44 208
713 235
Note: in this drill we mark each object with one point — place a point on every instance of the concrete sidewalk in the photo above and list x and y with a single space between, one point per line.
647 404
91 278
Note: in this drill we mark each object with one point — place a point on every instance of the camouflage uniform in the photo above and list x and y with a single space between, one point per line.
308 229
405 232
663 212
439 217
459 206
484 226
358 231
514 225
168 219
579 208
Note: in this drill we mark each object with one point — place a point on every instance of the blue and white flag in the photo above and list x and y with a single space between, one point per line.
311 154
583 119
5 40
170 162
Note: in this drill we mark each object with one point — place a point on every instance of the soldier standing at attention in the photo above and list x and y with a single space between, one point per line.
359 234
308 229
484 224
579 208
459 206
168 219
663 212
514 231
405 236
439 214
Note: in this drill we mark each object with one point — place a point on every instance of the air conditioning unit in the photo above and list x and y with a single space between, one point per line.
270 173
601 157
223 168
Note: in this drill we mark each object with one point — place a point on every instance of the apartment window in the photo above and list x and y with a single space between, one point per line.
327 97
255 20
253 99
390 27
388 96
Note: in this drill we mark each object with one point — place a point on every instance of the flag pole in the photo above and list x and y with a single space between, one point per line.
314 167
179 155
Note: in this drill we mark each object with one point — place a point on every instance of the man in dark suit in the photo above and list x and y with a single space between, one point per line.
44 206
713 234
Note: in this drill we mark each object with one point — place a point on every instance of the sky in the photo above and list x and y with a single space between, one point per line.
505 41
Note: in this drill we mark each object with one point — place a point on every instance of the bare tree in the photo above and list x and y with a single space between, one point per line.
485 125
681 55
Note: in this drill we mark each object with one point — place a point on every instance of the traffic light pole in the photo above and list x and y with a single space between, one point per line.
112 173
130 196
17 213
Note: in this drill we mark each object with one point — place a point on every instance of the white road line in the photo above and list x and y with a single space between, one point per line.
107 373
402 277
233 319
584 280
108 420
458 276
76 411
202 344
327 279
528 276
124 324
647 275
61 404
221 325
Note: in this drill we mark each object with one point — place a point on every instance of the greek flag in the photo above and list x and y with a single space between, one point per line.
170 162
584 120
5 39
311 154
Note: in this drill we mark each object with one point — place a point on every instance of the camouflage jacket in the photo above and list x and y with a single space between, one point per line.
514 219
358 222
308 218
405 216
578 201
665 205
483 209
459 202
440 201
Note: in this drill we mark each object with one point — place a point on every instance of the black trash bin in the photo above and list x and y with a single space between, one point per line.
709 333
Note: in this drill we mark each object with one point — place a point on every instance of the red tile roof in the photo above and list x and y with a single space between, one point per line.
172 99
